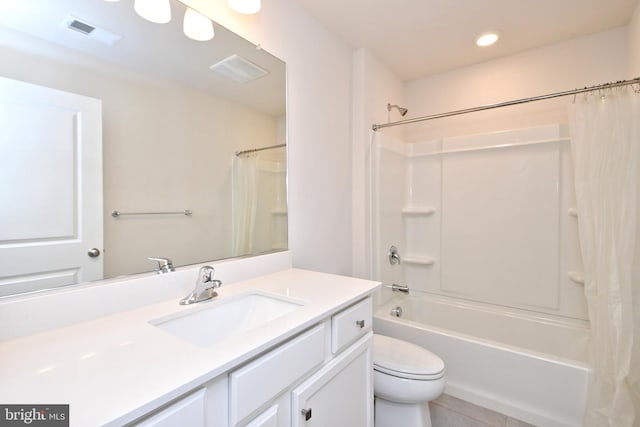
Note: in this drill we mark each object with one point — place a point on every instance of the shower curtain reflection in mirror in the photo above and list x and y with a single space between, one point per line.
259 202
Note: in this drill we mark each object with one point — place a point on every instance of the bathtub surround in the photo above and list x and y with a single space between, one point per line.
459 208
575 63
606 157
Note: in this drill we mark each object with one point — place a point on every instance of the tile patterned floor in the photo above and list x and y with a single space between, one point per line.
448 411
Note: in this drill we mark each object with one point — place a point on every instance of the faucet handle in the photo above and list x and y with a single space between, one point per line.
164 265
205 274
394 255
205 285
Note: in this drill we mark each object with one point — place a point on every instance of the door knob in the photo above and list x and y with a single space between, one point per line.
94 253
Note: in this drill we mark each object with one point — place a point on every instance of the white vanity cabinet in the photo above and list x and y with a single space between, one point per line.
321 377
338 394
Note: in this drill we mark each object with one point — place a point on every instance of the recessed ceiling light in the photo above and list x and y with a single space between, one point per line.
487 39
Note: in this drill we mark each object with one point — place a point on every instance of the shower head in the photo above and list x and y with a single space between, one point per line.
403 111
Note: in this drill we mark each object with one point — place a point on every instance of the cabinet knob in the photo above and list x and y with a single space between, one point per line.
360 323
306 413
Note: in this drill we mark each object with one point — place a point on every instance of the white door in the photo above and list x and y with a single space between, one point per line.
50 187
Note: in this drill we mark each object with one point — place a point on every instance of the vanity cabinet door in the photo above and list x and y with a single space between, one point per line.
340 394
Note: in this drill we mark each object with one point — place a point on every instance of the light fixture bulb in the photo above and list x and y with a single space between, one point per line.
158 11
197 26
487 39
246 7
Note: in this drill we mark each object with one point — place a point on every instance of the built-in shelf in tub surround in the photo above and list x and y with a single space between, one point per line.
419 260
114 369
418 210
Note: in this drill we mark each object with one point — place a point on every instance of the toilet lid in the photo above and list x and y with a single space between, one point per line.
404 359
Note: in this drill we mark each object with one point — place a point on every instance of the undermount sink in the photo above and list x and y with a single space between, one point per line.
209 325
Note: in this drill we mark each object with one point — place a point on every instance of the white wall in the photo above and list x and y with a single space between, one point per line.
580 62
374 85
634 44
319 134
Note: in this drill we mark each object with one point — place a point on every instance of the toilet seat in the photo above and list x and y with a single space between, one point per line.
405 360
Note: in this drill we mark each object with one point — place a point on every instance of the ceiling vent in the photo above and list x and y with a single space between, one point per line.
96 33
238 69
81 27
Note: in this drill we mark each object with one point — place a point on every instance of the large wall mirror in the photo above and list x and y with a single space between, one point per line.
123 139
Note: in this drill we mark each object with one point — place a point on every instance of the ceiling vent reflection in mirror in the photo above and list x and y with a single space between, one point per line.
90 30
238 69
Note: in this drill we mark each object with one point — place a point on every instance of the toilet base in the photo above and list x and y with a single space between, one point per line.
392 414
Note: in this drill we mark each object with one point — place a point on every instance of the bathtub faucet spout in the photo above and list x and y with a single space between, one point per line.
400 288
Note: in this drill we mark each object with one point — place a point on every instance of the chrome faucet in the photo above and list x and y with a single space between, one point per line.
205 285
164 265
400 288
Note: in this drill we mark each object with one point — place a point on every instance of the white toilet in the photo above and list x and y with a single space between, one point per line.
405 378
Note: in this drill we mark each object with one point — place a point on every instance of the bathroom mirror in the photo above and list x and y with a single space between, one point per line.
118 142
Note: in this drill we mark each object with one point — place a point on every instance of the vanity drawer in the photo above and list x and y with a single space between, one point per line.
350 324
263 379
186 411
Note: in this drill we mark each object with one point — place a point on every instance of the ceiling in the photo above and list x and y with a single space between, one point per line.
155 50
418 38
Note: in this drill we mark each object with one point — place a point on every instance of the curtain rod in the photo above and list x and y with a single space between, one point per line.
253 150
509 103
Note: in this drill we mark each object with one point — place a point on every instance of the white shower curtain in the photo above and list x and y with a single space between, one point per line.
245 202
605 145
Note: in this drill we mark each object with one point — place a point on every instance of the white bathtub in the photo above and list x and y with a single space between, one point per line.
525 366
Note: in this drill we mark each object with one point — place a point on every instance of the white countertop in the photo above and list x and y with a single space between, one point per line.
115 368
